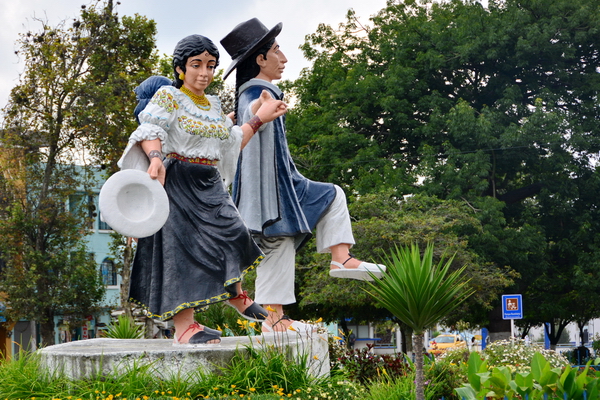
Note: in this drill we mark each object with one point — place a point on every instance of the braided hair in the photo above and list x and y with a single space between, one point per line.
249 69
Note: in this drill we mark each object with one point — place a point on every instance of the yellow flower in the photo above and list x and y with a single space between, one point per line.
291 328
271 309
319 321
233 386
315 357
252 389
337 338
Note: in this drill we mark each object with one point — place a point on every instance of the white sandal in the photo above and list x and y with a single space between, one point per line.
361 272
296 326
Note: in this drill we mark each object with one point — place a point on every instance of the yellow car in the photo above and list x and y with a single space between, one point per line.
444 342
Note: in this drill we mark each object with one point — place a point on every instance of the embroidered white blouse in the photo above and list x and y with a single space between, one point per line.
186 129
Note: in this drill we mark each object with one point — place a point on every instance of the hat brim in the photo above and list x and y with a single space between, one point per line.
274 32
133 204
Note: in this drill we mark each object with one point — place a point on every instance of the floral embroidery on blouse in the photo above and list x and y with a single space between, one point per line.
197 127
165 100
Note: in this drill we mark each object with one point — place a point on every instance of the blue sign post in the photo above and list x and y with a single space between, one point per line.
512 308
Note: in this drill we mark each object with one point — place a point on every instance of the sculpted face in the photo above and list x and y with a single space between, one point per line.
272 67
199 72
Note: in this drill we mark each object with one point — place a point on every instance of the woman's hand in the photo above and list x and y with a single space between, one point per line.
269 108
157 170
153 149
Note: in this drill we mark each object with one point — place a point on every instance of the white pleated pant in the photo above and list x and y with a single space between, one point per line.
275 274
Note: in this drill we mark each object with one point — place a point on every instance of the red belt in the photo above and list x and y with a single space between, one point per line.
194 160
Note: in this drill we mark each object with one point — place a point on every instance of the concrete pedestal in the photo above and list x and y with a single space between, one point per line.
94 357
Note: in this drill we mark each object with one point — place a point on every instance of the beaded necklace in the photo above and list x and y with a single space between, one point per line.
201 101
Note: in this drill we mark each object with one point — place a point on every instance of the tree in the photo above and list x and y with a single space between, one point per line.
493 106
73 104
419 293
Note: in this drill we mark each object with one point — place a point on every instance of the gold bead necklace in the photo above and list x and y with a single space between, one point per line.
201 101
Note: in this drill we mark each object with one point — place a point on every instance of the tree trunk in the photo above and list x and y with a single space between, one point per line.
346 331
125 277
406 338
47 332
149 328
419 379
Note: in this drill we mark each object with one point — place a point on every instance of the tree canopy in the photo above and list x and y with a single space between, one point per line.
495 107
73 104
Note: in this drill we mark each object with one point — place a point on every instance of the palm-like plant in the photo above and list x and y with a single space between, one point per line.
125 328
419 294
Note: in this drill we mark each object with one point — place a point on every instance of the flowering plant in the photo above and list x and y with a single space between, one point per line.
517 356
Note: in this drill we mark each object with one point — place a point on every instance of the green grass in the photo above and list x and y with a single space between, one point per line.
257 374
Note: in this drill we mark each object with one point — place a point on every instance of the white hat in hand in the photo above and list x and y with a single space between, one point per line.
133 204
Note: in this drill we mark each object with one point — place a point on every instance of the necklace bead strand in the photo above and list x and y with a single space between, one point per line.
201 101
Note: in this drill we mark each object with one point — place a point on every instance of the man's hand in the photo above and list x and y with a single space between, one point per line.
269 108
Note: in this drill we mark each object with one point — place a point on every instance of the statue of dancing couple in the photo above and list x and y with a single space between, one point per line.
210 240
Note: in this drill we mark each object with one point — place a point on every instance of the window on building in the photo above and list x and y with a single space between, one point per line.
109 272
84 205
103 226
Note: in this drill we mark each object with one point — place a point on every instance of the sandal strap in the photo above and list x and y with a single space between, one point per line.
192 326
349 258
283 318
243 295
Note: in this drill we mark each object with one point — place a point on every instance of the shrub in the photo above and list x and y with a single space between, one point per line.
596 345
393 388
578 356
363 366
448 372
541 381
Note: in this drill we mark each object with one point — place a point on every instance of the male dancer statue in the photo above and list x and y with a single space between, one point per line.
280 206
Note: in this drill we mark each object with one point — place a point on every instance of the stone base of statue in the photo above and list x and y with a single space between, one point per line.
103 357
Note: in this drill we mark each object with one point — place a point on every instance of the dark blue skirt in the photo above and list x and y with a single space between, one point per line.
203 249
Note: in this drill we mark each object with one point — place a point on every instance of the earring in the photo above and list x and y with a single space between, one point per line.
181 76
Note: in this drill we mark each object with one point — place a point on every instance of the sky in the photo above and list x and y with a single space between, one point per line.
176 20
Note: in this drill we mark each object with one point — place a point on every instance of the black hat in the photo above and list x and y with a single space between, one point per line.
245 39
